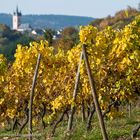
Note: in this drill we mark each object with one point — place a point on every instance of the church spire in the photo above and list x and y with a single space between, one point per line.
16 18
17 9
17 13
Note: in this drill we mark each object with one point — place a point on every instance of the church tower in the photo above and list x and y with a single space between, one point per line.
16 19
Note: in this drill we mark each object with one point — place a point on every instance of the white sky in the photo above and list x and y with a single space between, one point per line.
91 8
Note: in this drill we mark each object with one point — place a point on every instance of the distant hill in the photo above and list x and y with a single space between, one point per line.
6 19
118 21
48 21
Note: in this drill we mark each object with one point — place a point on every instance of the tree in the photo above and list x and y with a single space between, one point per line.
9 40
49 34
69 38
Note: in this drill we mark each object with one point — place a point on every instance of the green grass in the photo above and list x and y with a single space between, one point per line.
117 129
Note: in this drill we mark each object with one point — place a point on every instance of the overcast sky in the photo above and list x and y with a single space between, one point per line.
91 8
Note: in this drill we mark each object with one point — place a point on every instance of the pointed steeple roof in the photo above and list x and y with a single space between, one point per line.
17 13
17 9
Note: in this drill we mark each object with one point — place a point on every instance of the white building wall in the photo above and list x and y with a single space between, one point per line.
15 22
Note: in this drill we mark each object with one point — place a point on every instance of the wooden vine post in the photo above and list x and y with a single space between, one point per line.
32 96
74 94
94 94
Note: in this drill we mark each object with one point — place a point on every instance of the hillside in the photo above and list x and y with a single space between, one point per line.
113 56
48 21
118 21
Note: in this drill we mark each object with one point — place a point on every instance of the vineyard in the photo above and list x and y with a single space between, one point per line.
101 75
